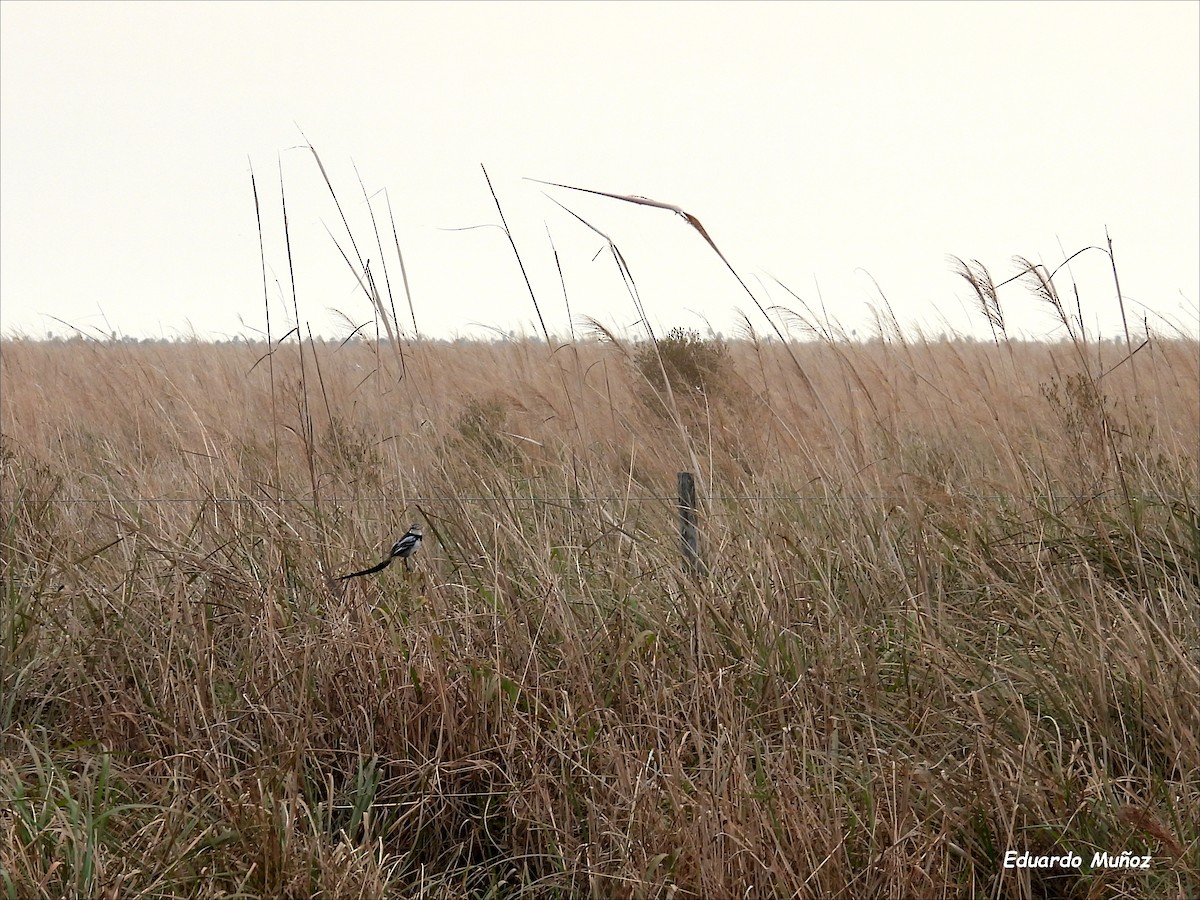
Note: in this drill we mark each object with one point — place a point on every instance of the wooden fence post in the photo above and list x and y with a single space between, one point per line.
688 535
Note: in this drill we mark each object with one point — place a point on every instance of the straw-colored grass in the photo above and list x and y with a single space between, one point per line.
951 608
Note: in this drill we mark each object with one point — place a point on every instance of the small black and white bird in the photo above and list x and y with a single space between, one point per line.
402 549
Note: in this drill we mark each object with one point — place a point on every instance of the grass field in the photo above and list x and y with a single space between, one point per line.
947 611
950 607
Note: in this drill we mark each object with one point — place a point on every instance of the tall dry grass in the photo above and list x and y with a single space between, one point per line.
950 610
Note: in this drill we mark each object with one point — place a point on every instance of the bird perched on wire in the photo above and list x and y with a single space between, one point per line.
402 549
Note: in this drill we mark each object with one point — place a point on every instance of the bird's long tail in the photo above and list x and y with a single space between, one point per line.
371 571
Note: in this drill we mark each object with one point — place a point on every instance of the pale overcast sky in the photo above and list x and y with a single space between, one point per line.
827 145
